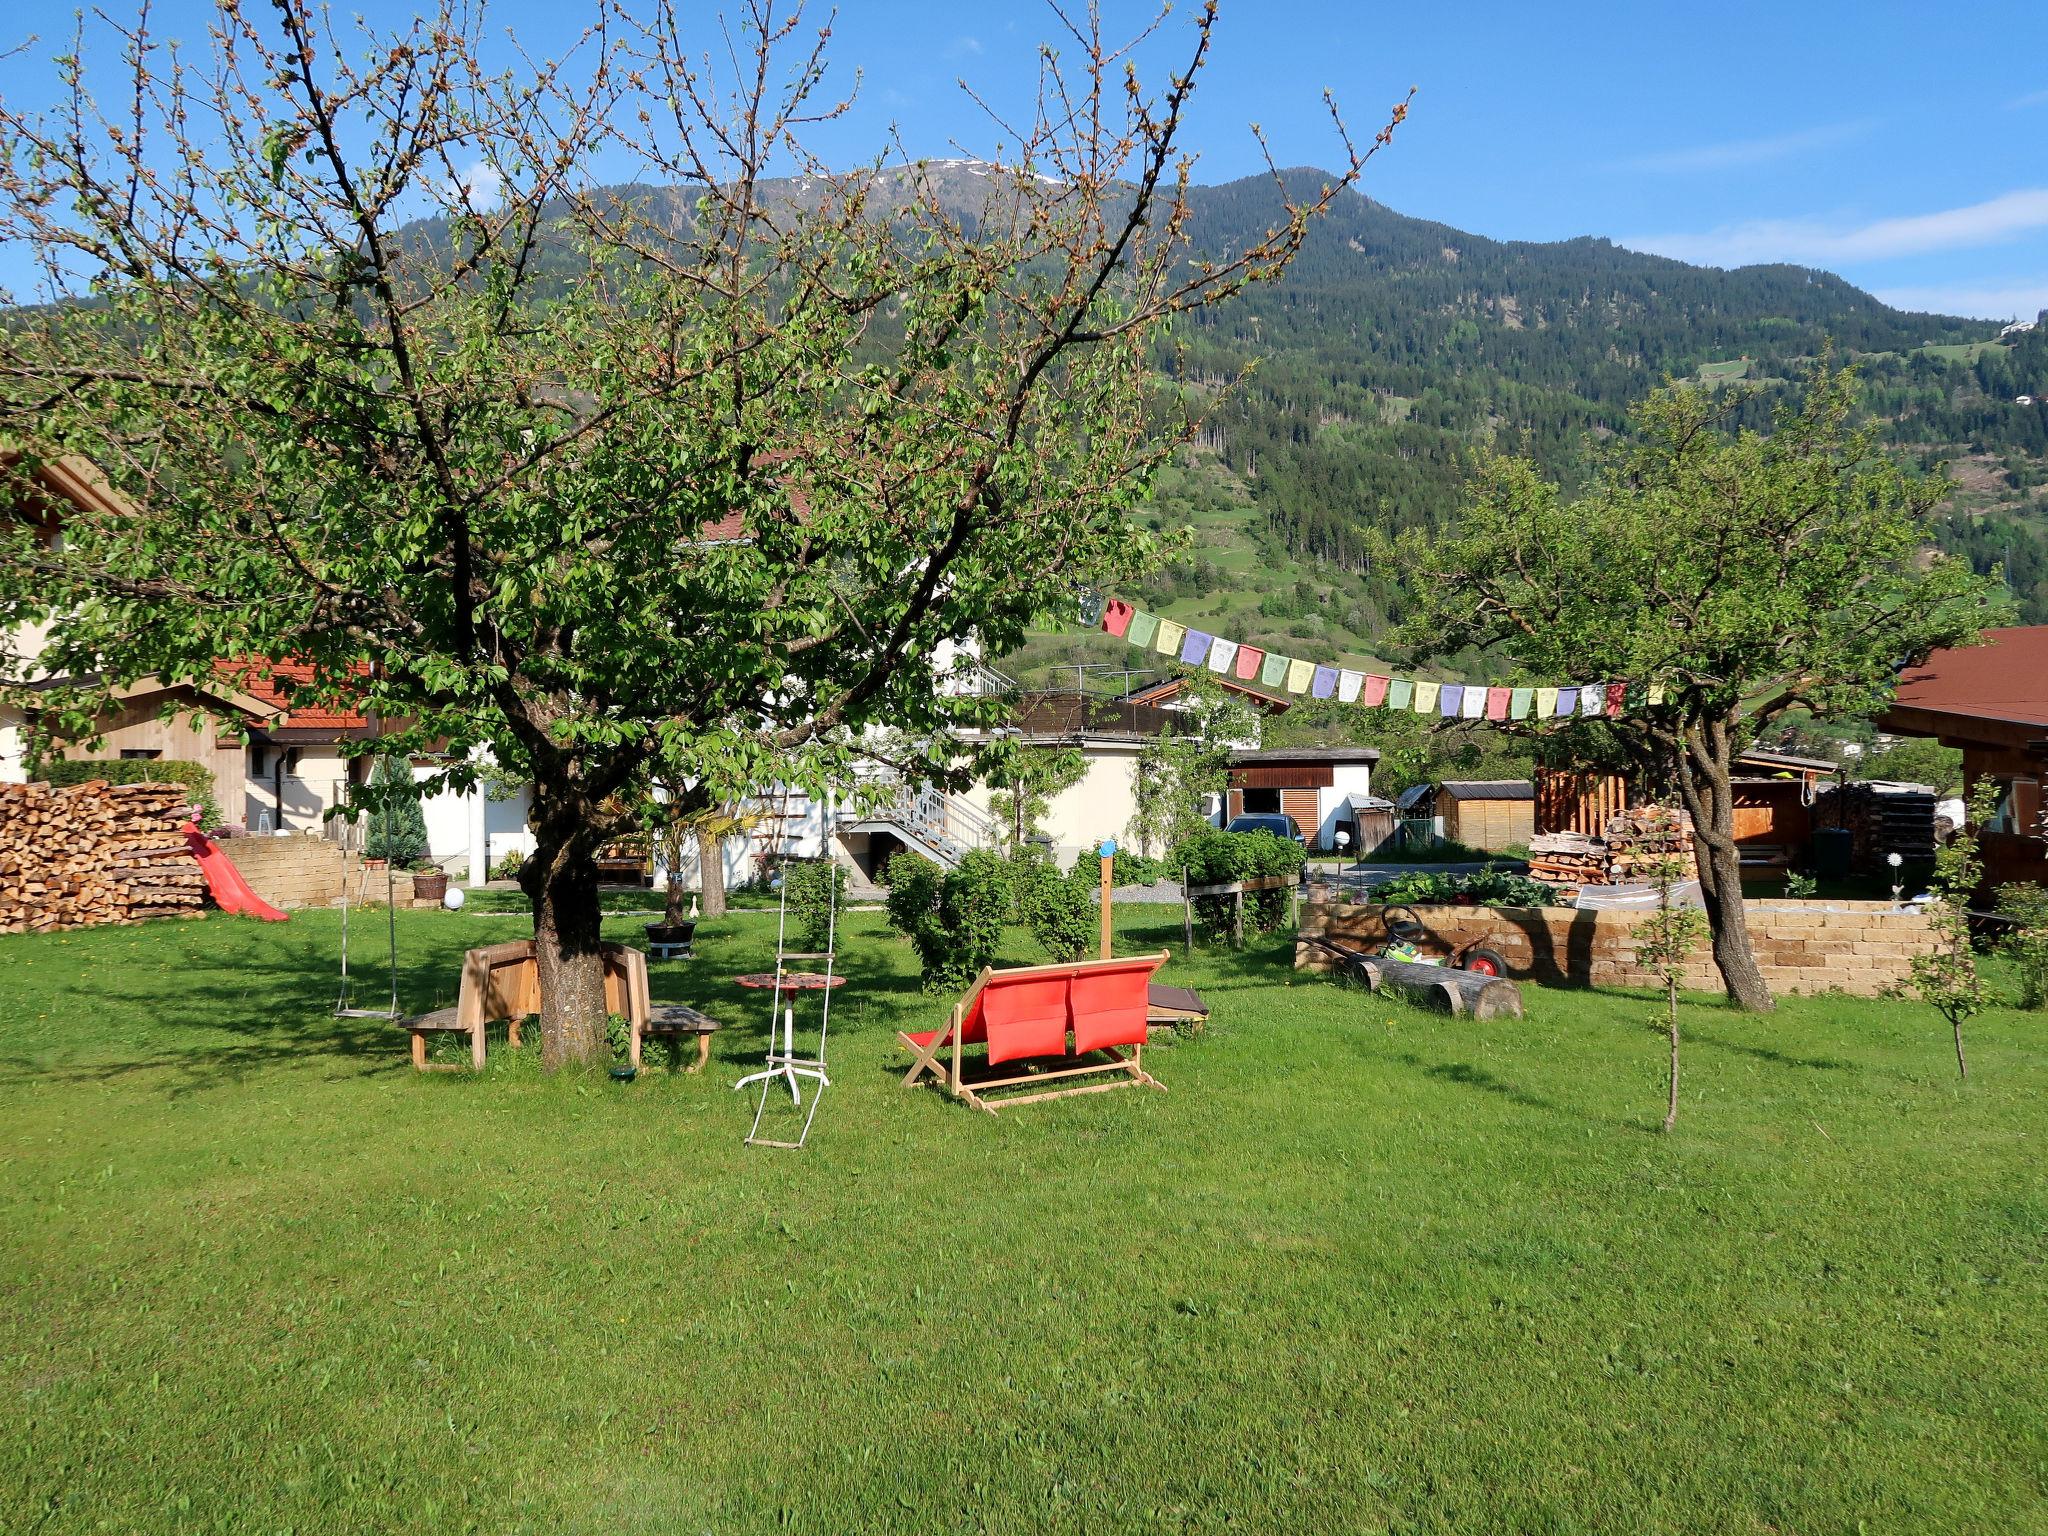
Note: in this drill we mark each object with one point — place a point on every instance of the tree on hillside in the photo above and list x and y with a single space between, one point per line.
678 479
1744 573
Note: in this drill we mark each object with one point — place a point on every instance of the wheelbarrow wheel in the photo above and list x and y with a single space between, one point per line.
1484 962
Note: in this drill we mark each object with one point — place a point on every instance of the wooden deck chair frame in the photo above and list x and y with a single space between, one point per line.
1128 1069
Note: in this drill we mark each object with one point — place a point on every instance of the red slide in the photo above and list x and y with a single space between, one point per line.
224 880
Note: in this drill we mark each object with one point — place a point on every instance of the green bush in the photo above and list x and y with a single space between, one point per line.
1132 868
1215 858
196 777
1060 909
1488 887
954 918
814 887
2025 943
397 828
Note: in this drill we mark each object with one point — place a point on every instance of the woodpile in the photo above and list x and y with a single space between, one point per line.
94 853
1629 845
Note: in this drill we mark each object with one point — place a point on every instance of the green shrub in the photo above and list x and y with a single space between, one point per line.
2025 943
1489 887
509 866
954 918
814 887
397 828
1131 868
1216 858
1060 909
196 777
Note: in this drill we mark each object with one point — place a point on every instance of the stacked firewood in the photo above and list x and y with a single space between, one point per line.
1638 839
1630 843
94 853
1568 860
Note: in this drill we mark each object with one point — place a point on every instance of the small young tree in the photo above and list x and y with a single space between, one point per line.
1948 979
1740 573
1665 941
397 828
1031 777
1178 771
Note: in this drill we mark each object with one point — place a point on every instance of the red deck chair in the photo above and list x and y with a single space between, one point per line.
1032 1013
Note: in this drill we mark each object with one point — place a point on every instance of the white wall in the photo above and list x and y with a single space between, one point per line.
1100 805
1333 801
316 783
13 749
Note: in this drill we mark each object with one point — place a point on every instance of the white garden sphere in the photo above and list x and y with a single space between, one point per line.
453 899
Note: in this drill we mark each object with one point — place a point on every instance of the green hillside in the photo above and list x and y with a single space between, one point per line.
1396 346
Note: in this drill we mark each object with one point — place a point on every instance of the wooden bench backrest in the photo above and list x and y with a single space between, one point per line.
502 981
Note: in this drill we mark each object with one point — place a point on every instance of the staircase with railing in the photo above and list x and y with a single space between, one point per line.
942 826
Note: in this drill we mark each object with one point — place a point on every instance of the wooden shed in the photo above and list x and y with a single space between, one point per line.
1487 813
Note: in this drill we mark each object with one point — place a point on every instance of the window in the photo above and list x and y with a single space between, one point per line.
1261 802
2003 817
140 754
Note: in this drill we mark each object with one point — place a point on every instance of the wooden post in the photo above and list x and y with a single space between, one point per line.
1237 935
1108 852
1187 915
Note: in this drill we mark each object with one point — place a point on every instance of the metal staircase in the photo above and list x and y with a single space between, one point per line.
942 827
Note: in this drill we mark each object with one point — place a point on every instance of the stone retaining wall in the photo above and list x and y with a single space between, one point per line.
1859 947
301 871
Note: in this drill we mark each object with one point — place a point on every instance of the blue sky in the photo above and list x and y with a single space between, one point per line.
1902 145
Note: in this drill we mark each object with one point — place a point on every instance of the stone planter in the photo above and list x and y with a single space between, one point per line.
666 940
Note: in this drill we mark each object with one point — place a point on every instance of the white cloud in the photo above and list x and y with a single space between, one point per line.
963 45
1813 242
2020 300
2031 99
482 184
1740 152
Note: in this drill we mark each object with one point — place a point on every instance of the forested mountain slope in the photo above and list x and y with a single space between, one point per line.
1396 346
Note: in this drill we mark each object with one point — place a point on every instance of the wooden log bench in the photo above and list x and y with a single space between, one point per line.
675 1020
502 981
449 1021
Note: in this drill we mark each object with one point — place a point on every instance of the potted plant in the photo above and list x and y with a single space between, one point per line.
429 882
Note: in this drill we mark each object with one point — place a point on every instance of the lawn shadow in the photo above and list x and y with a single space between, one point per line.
1774 1057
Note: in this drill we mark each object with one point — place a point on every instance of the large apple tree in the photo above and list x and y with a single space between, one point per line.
687 479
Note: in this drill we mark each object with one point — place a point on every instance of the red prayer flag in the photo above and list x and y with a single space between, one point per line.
1248 659
1116 618
1616 692
1375 690
1497 703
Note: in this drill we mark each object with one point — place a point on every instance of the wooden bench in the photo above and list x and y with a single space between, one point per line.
502 981
1079 1019
676 1020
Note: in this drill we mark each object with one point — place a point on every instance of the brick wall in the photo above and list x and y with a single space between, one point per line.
1860 947
299 871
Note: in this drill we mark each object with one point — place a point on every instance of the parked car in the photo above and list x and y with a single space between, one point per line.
1268 821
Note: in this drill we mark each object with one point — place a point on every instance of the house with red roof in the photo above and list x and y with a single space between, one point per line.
1991 701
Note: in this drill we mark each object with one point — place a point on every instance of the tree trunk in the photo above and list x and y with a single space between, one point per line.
1671 1010
1706 766
561 882
1962 1066
711 872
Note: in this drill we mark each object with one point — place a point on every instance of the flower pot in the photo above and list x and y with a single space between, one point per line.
671 936
430 886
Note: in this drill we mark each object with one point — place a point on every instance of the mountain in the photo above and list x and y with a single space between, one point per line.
1395 346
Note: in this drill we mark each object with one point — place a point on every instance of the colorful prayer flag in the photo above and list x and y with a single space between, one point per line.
1221 654
1451 696
1299 675
1656 694
1400 692
1274 673
1116 616
1324 683
1564 701
1093 606
1144 629
1375 690
1248 659
1592 698
1497 703
1196 651
1617 694
1170 637
1520 702
1348 684
1474 702
1425 697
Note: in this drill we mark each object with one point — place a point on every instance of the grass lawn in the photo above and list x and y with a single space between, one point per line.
1361 1269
